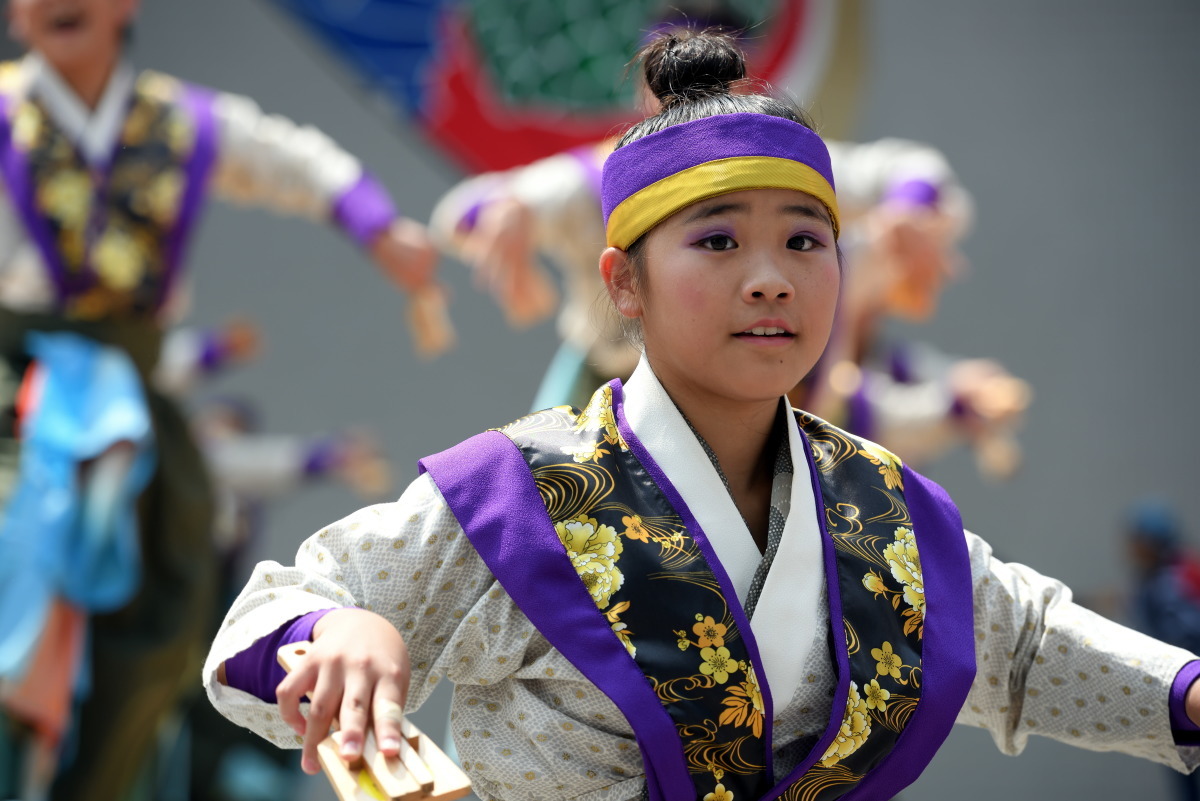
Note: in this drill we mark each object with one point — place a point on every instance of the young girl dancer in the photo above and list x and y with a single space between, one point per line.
688 589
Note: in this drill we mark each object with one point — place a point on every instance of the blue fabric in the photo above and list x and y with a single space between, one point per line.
389 43
54 538
558 384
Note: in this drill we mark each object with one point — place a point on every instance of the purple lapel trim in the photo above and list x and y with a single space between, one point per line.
838 631
489 488
948 655
15 169
697 534
196 103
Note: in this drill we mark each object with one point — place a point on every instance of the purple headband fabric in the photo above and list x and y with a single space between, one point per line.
650 159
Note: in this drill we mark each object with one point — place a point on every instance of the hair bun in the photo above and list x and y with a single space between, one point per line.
686 64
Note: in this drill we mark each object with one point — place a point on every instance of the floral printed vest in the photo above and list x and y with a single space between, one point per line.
591 540
112 237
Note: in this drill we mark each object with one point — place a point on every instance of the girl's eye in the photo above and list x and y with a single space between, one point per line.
802 242
718 242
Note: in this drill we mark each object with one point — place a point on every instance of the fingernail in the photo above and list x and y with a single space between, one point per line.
308 767
390 744
351 749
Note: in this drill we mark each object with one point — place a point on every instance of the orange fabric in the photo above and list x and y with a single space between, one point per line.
28 393
43 698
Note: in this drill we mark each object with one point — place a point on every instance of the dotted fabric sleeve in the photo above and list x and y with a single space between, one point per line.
406 560
1049 667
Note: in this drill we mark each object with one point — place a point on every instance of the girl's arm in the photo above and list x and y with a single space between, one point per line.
398 569
1050 667
270 161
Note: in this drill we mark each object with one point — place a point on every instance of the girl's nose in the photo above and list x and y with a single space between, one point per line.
768 281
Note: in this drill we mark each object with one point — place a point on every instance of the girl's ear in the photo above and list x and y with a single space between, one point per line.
617 271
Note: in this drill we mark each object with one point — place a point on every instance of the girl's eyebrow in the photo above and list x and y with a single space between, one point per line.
813 212
705 212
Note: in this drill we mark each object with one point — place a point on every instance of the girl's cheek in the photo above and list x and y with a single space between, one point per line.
692 299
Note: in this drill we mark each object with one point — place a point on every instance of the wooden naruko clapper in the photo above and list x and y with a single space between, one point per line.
421 772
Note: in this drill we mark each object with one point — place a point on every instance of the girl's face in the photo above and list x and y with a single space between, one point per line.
738 294
71 34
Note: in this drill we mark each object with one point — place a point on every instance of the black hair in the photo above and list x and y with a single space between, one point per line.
693 74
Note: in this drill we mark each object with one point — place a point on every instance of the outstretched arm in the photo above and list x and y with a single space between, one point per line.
268 160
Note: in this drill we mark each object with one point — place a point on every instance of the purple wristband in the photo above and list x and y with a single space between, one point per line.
1185 731
256 670
212 351
364 210
322 455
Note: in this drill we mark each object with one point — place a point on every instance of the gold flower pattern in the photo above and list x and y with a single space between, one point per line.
877 697
717 663
598 416
887 663
854 731
905 564
594 550
709 632
635 529
744 704
889 463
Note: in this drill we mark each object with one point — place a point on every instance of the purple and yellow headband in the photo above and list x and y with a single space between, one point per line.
651 178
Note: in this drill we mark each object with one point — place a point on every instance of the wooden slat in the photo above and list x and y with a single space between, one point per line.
449 781
347 783
392 774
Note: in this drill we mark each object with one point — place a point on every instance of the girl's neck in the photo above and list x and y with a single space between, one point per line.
740 437
89 78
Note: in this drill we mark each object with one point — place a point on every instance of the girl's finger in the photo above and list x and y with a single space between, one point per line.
288 695
353 717
326 701
387 714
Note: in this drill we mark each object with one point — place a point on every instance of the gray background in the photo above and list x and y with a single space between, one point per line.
1072 123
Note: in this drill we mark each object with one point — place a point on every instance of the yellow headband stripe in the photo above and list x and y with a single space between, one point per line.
647 207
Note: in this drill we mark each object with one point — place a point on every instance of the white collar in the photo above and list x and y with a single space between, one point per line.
785 620
662 429
94 132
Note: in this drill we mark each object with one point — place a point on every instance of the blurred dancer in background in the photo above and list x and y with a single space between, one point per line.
906 213
104 172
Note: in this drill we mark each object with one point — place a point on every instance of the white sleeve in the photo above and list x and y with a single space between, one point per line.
257 465
179 367
557 190
913 419
1047 666
408 561
554 189
268 160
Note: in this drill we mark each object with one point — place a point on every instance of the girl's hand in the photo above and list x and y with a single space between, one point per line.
356 673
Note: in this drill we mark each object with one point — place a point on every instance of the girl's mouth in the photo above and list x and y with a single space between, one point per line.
766 331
